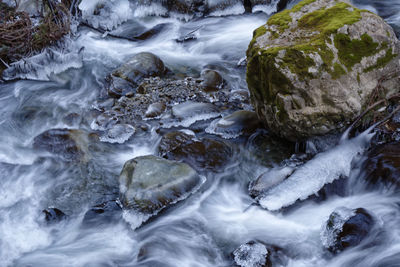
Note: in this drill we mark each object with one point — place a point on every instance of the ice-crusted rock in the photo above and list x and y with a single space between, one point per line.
241 122
309 178
190 112
346 228
118 133
269 179
52 60
105 14
252 254
312 69
188 9
148 184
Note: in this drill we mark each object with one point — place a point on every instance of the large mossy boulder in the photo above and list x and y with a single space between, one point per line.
312 69
149 184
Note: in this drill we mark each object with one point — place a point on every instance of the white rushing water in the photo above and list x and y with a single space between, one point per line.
207 227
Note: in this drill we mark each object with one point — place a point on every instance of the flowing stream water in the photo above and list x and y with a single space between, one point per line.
202 230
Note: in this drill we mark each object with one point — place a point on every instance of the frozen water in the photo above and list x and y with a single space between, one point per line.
251 255
105 14
336 222
312 176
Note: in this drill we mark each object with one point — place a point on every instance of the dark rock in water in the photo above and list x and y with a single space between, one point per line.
382 166
282 5
252 254
186 38
54 215
346 228
118 87
269 179
173 140
107 212
126 78
203 154
212 80
149 184
72 119
269 151
152 32
70 145
155 110
241 122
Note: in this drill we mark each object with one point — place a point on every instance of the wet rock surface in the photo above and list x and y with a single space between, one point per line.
54 215
241 122
104 213
346 228
382 167
166 101
125 79
67 144
319 78
149 184
212 80
201 154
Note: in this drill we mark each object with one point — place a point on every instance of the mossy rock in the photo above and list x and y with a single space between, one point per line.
312 69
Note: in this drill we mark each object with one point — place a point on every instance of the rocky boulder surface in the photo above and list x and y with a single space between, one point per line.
312 69
125 79
346 228
149 184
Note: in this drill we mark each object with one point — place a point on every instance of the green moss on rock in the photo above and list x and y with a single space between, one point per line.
327 21
338 71
283 18
298 63
351 52
382 61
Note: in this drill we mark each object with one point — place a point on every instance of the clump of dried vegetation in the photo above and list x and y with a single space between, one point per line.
22 35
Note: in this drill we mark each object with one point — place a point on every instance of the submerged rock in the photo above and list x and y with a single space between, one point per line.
149 184
107 212
313 68
67 144
382 166
126 78
54 215
346 228
252 254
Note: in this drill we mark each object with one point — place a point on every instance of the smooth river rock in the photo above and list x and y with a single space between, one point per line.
125 79
149 183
